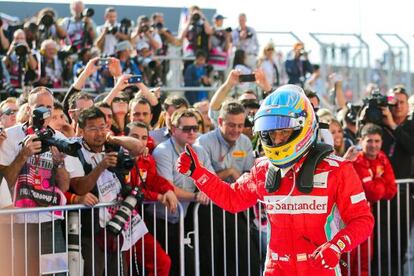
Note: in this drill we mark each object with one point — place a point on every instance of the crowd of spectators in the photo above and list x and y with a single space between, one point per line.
152 129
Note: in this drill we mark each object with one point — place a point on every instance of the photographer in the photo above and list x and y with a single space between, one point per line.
80 28
220 42
51 69
195 35
110 33
297 66
245 38
398 133
99 173
39 175
144 33
48 27
20 61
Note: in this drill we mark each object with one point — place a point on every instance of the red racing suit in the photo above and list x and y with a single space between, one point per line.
299 223
378 180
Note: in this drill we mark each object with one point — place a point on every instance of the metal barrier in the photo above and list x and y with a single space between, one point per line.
224 244
69 261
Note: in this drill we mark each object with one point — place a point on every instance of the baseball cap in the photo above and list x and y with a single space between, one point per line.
142 45
218 17
122 46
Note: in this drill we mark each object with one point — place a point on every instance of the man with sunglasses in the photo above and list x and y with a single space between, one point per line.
184 130
230 153
8 110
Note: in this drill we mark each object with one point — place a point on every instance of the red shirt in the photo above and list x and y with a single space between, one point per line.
150 181
377 177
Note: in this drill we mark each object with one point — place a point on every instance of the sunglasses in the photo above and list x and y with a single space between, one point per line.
188 129
118 100
10 112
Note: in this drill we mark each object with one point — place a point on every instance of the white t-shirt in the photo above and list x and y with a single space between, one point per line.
5 196
110 40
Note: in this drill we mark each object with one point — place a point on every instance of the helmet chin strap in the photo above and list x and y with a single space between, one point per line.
304 182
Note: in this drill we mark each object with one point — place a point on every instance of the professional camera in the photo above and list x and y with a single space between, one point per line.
112 29
195 17
46 135
158 26
143 29
124 163
66 51
126 23
8 88
249 33
134 197
20 49
373 104
47 20
88 12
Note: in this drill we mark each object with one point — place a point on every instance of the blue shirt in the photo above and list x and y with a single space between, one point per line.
166 155
224 156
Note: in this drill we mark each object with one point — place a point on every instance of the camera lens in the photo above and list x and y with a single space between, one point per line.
20 49
47 20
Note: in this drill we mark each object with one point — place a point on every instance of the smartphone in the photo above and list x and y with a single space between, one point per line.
135 79
103 62
358 148
247 78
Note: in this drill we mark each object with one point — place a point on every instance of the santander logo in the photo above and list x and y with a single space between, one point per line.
296 204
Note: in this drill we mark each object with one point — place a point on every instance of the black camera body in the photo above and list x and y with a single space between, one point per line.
47 20
20 49
66 51
46 134
195 17
133 197
113 29
88 12
158 26
144 29
124 163
373 112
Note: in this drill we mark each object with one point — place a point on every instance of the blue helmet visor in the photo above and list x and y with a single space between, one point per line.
271 122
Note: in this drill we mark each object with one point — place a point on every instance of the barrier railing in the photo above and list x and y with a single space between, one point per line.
224 244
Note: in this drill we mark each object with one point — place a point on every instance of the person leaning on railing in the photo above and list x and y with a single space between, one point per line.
95 173
39 176
377 177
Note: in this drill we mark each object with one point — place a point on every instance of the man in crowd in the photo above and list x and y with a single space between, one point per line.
95 173
245 38
303 239
298 65
80 28
109 33
377 176
231 154
398 134
184 128
38 175
8 110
